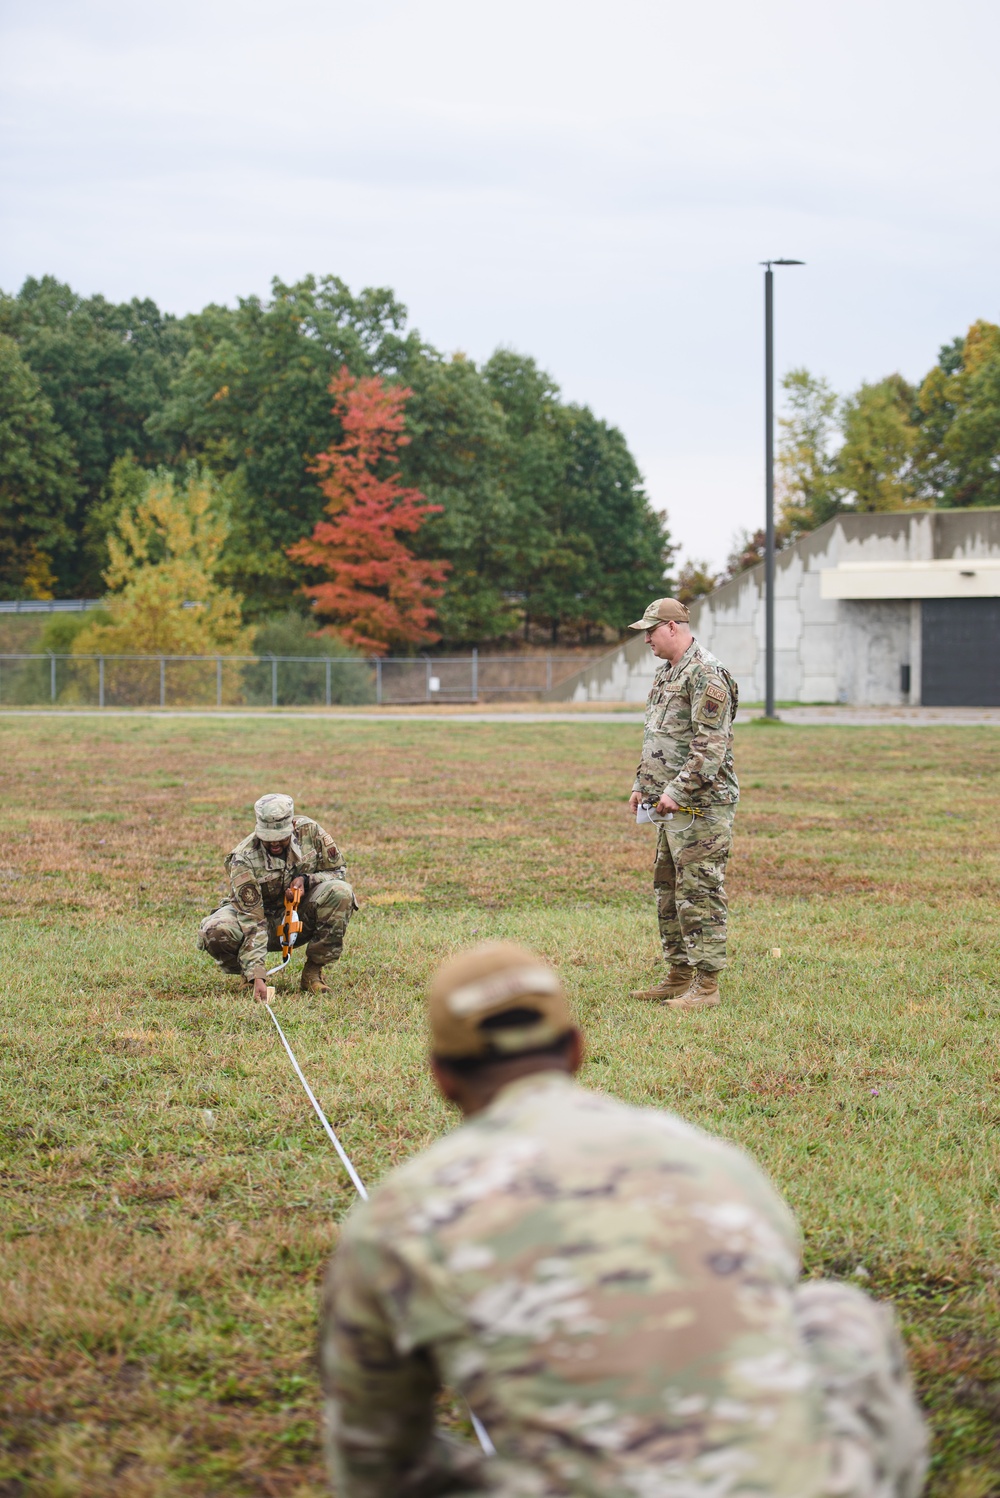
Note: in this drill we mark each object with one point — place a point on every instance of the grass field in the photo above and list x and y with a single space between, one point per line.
169 1198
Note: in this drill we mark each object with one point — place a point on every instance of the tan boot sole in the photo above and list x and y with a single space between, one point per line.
662 990
697 1001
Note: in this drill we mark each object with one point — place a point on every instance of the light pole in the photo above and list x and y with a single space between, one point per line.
769 479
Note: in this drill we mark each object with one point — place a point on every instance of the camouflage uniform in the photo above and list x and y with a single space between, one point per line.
243 930
687 753
616 1295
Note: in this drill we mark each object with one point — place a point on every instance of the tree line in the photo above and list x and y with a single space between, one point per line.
116 419
889 445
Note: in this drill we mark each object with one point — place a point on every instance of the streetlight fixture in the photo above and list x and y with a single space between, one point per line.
769 467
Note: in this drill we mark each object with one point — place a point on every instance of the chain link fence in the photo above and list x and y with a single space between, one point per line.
34 680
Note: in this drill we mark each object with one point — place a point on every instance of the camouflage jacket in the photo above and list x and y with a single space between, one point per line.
609 1288
687 743
259 880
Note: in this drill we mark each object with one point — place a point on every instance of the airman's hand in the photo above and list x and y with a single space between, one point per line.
260 989
666 803
634 802
298 883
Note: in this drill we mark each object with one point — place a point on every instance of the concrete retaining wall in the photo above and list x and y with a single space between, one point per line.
826 650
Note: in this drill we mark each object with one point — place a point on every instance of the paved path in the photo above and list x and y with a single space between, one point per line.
917 717
306 715
867 717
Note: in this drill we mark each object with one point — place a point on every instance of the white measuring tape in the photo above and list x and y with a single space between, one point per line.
645 812
359 1184
481 1432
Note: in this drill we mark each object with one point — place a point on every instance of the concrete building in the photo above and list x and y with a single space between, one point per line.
870 610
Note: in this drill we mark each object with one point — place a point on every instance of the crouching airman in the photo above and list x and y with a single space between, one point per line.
283 852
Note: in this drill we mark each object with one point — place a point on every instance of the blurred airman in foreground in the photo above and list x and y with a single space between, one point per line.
615 1293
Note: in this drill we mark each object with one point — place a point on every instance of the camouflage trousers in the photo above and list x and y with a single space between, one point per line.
325 911
875 1434
689 881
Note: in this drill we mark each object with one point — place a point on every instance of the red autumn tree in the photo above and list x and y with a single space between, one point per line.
378 594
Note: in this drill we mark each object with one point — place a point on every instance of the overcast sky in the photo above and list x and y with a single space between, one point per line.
592 184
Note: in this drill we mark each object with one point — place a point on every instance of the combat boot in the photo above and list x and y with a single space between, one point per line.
678 978
312 978
703 993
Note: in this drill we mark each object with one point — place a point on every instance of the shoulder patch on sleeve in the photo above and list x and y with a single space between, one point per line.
248 895
716 692
246 890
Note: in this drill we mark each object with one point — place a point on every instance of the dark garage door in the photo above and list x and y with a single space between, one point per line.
961 652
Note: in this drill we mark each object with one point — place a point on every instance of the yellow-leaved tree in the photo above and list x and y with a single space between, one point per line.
163 598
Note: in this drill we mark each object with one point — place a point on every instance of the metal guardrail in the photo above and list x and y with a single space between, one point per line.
35 678
47 605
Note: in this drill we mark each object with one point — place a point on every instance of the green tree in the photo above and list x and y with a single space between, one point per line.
695 580
545 566
604 502
105 369
874 468
125 486
38 481
164 597
587 548
252 402
806 481
303 680
460 454
748 549
958 411
899 447
60 630
543 515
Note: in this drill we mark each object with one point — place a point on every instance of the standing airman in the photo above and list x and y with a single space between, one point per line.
686 777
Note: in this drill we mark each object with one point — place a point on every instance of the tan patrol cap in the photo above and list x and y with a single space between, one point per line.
661 611
274 818
495 1000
